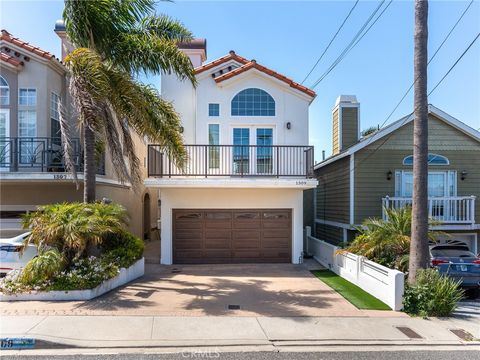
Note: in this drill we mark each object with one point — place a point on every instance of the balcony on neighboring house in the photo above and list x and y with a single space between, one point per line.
39 155
447 210
239 161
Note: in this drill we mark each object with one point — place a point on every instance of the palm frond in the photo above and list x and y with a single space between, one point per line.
165 27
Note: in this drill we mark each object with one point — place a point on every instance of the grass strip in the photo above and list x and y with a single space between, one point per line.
355 295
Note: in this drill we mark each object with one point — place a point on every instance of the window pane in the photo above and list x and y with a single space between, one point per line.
4 96
213 110
264 151
27 97
253 102
214 151
241 136
436 184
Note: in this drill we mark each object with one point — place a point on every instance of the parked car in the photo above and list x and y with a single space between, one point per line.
452 252
13 253
467 273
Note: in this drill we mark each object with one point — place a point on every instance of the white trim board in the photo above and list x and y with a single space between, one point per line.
398 124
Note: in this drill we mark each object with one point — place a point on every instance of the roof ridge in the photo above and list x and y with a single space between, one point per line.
8 37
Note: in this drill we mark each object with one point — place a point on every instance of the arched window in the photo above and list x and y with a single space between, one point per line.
4 92
253 102
433 159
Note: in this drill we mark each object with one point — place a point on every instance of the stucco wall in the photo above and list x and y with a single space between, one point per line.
230 199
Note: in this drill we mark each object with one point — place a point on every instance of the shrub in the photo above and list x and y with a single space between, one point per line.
42 268
433 294
123 248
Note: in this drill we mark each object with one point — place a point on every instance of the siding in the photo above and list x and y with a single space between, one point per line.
349 126
308 204
333 191
330 234
335 133
371 168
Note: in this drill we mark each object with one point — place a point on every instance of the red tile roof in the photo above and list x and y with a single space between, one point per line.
253 65
10 59
224 59
6 36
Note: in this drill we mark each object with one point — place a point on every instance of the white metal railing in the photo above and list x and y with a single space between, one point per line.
451 209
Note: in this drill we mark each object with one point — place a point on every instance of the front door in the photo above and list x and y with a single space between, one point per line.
253 160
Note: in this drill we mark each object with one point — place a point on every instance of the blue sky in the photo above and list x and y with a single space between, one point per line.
290 36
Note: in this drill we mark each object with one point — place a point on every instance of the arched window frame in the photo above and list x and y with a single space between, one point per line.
267 108
4 91
408 160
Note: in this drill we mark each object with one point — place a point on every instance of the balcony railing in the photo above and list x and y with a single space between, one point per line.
39 154
452 209
235 160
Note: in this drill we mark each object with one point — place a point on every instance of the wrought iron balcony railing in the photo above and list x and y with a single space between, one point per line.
235 160
451 209
38 154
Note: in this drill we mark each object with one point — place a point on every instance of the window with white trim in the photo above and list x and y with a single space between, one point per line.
253 102
433 159
55 119
27 97
440 183
4 92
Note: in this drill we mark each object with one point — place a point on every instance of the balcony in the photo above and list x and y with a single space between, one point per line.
235 161
451 210
39 154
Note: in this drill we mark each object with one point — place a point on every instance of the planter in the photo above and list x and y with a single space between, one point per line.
126 275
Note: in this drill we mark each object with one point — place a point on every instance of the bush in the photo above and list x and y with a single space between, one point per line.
122 249
433 294
42 268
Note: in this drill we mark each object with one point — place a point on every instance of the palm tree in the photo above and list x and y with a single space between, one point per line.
115 41
419 244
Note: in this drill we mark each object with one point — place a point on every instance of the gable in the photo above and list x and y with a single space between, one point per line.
441 136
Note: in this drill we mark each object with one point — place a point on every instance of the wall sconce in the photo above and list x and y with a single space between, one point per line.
463 175
289 125
182 129
389 175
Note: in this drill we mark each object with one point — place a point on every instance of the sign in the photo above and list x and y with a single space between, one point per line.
17 343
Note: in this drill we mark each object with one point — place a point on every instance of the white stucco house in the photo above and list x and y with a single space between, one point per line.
240 197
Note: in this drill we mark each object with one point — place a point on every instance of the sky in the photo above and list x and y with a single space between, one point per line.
289 37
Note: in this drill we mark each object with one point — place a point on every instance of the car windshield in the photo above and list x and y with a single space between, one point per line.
451 251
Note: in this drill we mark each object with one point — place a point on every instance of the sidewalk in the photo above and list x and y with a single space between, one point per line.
165 331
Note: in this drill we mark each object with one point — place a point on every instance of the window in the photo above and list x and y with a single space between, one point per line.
253 102
213 109
55 119
433 159
27 128
264 151
4 92
27 97
241 140
440 183
213 151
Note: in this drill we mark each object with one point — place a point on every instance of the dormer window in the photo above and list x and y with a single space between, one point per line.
433 159
253 102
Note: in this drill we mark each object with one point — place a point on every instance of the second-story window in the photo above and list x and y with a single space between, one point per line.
27 125
213 151
4 92
253 102
213 109
27 97
55 119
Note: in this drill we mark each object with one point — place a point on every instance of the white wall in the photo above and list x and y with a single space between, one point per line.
230 199
290 106
381 282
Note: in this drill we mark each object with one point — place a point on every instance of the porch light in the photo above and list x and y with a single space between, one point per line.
289 125
463 175
389 175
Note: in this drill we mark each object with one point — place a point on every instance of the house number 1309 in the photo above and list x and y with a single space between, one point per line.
301 183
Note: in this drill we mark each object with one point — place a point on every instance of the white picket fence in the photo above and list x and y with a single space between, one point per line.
383 283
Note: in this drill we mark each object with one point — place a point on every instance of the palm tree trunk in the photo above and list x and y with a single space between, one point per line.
419 243
89 172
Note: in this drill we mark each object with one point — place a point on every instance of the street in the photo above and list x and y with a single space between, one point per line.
213 354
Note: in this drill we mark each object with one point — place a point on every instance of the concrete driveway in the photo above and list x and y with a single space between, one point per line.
199 290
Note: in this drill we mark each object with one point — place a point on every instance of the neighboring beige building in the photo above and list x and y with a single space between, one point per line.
32 169
366 174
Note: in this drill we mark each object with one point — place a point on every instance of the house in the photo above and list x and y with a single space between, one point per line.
367 174
32 168
239 198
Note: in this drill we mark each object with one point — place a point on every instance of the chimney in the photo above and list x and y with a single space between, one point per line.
346 122
196 50
67 46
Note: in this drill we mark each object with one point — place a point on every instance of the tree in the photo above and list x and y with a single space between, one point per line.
115 41
419 242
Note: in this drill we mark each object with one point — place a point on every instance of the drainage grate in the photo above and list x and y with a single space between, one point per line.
462 334
408 332
145 294
233 307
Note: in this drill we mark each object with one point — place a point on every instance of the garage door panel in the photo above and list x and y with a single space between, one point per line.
236 235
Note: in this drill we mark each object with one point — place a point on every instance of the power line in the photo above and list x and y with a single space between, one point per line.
331 41
352 43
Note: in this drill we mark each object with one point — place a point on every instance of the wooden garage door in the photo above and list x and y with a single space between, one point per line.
231 236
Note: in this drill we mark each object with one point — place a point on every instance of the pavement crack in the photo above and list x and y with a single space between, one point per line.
34 326
263 330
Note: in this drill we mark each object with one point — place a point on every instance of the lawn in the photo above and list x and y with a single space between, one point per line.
358 297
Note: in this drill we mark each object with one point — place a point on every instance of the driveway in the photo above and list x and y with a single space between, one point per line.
199 290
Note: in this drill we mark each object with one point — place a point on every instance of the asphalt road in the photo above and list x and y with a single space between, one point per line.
370 355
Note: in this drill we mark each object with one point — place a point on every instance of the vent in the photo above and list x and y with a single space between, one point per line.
462 334
408 332
233 307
